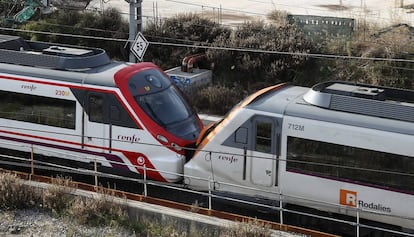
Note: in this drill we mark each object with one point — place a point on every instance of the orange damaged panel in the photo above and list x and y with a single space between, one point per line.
204 139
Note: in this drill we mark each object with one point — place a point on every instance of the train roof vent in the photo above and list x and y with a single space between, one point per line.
363 99
67 52
15 50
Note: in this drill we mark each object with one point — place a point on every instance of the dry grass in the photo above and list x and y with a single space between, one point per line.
278 18
370 41
105 211
14 194
102 211
58 197
249 229
216 99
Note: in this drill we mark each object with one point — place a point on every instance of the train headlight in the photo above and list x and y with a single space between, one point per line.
176 147
162 139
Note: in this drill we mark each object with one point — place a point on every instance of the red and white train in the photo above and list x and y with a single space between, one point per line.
76 104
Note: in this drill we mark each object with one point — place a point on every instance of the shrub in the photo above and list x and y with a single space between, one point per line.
58 197
249 229
105 211
188 29
9 9
99 212
243 67
394 42
109 24
14 194
217 99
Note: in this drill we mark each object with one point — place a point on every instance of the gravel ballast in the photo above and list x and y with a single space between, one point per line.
36 223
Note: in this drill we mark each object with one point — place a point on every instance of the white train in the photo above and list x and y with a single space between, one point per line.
76 104
333 147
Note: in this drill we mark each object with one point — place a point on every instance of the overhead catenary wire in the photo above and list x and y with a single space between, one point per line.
152 36
155 18
229 9
251 50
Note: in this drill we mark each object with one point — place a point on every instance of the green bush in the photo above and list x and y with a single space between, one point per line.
249 67
109 24
217 99
393 42
184 29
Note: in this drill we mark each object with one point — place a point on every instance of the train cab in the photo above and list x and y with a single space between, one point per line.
160 105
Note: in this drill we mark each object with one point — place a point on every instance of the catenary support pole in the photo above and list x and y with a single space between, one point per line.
135 23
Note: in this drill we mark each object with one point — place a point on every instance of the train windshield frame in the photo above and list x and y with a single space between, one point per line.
155 94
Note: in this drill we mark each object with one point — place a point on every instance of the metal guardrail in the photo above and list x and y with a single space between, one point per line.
35 164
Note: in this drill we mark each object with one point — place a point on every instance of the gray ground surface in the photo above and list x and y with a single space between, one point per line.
34 223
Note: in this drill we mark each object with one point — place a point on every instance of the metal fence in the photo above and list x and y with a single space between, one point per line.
33 164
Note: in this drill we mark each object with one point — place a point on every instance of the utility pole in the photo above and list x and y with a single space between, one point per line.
135 23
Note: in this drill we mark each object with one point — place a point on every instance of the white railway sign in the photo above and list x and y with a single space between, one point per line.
139 46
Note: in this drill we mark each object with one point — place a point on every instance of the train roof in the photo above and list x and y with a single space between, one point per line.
361 105
56 61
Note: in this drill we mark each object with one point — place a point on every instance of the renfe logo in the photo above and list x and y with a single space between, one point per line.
349 198
131 139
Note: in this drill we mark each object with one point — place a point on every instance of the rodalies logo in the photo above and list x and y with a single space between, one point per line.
350 198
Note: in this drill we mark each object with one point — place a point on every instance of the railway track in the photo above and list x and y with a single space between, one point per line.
177 196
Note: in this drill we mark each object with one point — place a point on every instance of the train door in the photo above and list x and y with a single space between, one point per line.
263 151
96 131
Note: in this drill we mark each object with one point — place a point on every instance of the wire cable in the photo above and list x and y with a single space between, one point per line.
312 55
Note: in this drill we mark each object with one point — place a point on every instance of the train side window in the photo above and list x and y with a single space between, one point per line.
38 109
106 108
241 135
96 108
329 160
263 140
118 115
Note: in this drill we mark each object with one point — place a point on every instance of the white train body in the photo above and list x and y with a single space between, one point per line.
77 104
335 147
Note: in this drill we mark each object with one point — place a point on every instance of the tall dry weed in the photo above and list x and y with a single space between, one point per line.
14 194
382 50
104 210
249 229
58 197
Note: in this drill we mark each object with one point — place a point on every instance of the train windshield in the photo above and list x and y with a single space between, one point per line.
166 107
164 104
